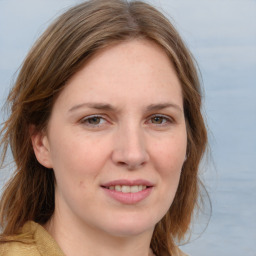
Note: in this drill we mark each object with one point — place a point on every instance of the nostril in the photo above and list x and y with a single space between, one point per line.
121 163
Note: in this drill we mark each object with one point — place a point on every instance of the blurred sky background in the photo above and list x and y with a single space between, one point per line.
222 36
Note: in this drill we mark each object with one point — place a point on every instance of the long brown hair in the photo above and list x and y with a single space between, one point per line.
57 55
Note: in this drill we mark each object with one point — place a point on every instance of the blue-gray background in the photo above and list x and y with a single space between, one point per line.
222 36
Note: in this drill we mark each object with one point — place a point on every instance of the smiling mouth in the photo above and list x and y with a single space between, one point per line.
127 189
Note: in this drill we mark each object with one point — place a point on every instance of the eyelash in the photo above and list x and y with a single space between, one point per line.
167 120
87 119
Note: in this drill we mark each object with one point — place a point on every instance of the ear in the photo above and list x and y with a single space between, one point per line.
41 146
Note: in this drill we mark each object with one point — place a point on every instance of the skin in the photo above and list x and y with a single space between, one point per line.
138 137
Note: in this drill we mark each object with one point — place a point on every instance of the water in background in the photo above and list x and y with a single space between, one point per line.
222 36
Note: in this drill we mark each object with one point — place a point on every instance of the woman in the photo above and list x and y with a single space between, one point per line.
107 135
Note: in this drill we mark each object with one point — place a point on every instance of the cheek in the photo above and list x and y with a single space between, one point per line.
169 155
78 158
169 163
76 171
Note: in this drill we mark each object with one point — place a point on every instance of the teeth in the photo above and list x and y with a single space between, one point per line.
118 188
134 189
128 189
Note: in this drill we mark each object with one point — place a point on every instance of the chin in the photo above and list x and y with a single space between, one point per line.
130 231
131 226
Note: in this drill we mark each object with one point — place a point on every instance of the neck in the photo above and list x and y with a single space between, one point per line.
89 241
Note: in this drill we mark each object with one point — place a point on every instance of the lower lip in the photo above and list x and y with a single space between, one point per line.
128 198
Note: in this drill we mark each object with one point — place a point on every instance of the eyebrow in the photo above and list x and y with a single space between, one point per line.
154 107
108 107
99 106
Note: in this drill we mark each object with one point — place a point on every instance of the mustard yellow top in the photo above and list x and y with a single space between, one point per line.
43 245
40 243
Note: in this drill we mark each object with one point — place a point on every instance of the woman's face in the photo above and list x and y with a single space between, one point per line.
116 140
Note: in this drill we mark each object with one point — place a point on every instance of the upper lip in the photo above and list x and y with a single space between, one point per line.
124 182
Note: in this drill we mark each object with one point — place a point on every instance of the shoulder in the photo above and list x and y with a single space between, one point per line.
21 244
33 240
18 249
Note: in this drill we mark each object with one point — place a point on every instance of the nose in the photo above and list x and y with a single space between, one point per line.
130 149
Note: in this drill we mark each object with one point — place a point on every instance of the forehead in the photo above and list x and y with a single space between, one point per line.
135 69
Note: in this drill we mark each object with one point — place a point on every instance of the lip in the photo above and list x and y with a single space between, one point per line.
124 182
128 198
